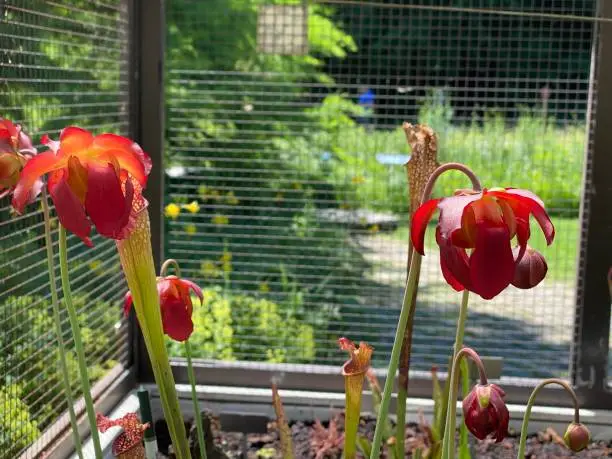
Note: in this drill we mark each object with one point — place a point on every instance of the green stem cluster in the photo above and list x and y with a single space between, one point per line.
78 344
61 346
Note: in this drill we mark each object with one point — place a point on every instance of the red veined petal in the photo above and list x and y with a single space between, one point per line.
106 205
32 171
491 262
420 219
450 222
128 154
70 211
74 140
195 288
176 320
127 303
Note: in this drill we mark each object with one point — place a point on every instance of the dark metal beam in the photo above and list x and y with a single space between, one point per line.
147 128
591 346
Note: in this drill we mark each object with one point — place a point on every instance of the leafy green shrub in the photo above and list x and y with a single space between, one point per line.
29 356
241 327
17 429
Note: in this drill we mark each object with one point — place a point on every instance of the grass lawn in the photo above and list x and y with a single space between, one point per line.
561 256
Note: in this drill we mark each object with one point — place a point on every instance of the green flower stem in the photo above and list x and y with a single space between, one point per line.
194 398
78 344
61 346
139 268
411 286
402 392
448 442
540 386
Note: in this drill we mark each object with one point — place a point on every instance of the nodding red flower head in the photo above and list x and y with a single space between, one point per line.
15 150
176 305
129 442
485 222
92 180
485 412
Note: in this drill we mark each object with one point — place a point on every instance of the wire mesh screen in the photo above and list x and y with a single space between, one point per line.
286 195
60 64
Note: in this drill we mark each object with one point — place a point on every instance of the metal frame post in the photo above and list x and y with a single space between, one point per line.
147 116
591 347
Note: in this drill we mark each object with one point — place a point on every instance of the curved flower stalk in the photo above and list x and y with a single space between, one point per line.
576 437
354 372
128 445
98 180
407 306
484 410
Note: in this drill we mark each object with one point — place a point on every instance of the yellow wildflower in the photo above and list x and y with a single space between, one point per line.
193 207
226 261
190 229
373 229
220 220
95 265
231 198
172 211
264 287
358 179
209 269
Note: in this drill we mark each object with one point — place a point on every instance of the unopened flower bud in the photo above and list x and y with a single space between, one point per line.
577 437
485 412
530 270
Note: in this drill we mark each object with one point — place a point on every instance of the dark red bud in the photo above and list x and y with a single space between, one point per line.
530 270
485 412
577 437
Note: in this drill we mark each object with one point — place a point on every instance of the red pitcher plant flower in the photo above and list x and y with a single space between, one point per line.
92 180
15 150
176 306
486 222
128 445
485 412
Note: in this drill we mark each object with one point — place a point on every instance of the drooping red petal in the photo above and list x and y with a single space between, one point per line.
420 219
106 205
74 140
532 204
454 264
491 262
127 303
195 288
36 167
499 412
128 154
176 320
70 211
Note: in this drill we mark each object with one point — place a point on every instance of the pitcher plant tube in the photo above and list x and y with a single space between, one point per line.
98 181
354 372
